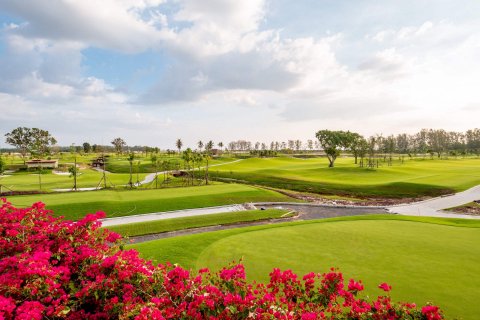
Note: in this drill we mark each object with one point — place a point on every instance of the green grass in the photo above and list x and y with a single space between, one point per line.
118 164
159 226
74 205
28 180
425 259
413 178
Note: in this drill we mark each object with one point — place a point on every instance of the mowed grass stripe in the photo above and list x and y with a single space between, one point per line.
74 205
166 225
435 260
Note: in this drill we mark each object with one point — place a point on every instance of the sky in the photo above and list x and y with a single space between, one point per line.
153 71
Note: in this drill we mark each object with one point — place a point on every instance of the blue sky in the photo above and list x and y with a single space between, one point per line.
152 71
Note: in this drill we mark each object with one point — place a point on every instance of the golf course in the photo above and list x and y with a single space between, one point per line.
410 178
424 259
115 203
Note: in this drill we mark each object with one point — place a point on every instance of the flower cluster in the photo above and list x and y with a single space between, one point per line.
56 269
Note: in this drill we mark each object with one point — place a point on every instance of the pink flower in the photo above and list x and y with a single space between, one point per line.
385 287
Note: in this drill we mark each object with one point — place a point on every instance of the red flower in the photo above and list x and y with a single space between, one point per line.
385 287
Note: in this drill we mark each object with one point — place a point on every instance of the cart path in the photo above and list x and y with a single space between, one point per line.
149 178
304 212
435 207
171 214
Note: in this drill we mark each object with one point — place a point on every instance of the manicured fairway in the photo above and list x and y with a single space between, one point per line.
142 228
436 260
87 178
413 178
75 205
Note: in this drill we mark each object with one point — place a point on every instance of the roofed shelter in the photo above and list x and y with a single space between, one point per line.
42 163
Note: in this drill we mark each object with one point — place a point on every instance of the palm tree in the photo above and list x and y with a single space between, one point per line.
220 145
200 145
179 145
131 156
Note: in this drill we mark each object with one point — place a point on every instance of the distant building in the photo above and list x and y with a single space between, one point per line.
41 163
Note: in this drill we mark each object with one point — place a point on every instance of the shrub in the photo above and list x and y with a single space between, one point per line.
56 269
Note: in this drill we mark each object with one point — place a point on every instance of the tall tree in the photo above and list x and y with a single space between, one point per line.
30 140
179 145
131 157
87 147
208 151
332 142
200 145
356 145
20 138
118 144
220 145
41 142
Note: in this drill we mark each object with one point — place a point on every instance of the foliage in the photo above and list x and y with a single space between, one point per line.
87 147
2 165
33 140
118 144
74 270
333 141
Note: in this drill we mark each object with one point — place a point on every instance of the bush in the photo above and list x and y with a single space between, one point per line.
56 269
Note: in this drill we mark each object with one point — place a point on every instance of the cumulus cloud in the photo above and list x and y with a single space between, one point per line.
108 24
224 58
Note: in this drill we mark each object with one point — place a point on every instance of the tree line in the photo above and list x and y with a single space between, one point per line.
433 142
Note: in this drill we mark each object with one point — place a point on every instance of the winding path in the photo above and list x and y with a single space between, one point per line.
150 177
435 207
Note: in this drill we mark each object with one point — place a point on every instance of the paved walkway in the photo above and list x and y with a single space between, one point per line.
435 207
308 212
304 211
171 214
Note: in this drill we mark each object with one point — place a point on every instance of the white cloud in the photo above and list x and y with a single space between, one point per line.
224 60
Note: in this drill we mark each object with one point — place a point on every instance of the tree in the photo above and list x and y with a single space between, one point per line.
30 140
87 147
200 145
118 144
438 141
220 145
41 141
356 144
332 142
179 145
20 138
2 165
74 173
155 162
131 156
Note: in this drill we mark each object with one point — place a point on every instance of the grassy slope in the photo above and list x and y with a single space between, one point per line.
432 261
127 202
142 228
410 179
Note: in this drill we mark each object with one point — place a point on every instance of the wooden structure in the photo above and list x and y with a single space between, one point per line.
42 163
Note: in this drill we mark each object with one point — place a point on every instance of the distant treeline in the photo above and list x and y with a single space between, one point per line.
426 141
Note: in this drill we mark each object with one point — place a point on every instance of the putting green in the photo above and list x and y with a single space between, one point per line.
423 262
412 178
424 259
